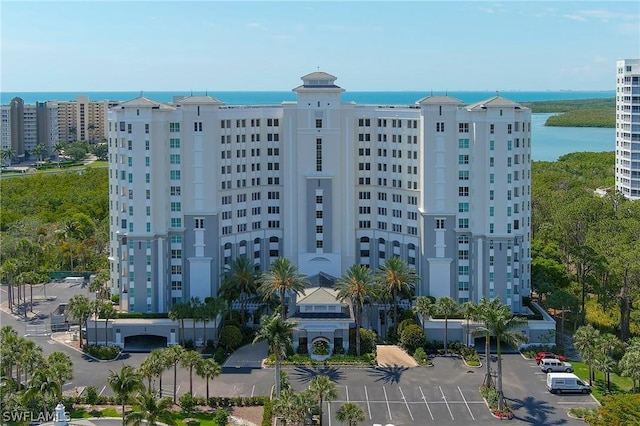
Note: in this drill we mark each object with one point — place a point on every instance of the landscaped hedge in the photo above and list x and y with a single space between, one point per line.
103 352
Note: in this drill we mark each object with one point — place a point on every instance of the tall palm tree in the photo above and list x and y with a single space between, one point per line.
469 311
485 307
107 311
9 271
178 312
277 332
356 286
585 340
7 154
208 369
39 151
190 360
396 277
324 389
215 306
150 410
42 385
294 407
447 307
425 308
282 277
79 307
350 414
173 356
30 357
147 370
123 384
241 275
60 368
194 313
503 324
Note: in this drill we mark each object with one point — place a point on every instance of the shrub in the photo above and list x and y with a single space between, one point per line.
221 418
320 347
404 323
420 356
412 337
220 355
302 350
91 395
368 340
103 352
115 298
187 403
267 414
230 336
433 346
338 350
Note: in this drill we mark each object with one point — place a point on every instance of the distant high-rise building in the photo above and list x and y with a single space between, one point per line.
197 183
628 128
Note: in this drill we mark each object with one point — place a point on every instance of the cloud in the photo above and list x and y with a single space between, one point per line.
600 15
253 25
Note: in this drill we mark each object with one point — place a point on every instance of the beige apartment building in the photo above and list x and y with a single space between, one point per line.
82 120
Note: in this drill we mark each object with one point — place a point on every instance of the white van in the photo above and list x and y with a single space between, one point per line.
549 364
566 382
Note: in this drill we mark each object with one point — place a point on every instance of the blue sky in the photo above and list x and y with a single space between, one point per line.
267 45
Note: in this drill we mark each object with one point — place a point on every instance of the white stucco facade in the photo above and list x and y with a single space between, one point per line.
628 128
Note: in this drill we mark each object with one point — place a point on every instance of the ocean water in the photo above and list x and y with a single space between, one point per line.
273 97
548 143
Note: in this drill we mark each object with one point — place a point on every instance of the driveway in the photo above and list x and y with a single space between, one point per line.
247 357
388 355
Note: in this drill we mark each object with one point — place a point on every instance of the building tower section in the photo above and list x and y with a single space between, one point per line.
628 128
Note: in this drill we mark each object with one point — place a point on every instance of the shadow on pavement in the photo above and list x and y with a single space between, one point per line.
305 374
536 411
388 373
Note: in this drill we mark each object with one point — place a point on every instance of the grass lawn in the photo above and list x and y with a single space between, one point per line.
205 419
618 384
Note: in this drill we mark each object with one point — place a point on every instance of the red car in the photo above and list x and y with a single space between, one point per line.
543 355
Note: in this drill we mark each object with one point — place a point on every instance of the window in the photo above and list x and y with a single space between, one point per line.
174 159
463 191
319 155
463 223
176 222
197 126
463 286
463 207
175 175
463 159
176 253
176 206
439 223
463 143
463 127
440 127
318 123
463 175
174 127
199 223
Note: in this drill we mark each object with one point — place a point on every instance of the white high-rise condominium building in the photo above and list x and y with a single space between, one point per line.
197 183
628 128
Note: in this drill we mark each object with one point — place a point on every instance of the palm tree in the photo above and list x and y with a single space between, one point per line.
502 324
277 332
425 308
173 356
160 363
9 271
485 307
58 148
292 407
42 385
215 306
150 410
30 357
282 277
324 389
7 154
79 307
350 414
107 311
194 314
39 151
448 307
585 340
208 369
190 360
356 286
469 311
396 277
60 368
178 312
123 384
241 275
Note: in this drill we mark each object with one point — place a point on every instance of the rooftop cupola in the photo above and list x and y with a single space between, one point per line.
319 79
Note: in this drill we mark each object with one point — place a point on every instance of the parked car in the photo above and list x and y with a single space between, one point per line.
548 355
566 382
549 365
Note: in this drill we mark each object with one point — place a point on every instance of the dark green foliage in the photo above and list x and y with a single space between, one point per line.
368 341
103 352
412 337
221 417
577 113
187 403
91 395
420 356
404 323
220 355
230 336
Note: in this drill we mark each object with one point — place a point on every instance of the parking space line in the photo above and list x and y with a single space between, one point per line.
329 410
405 402
366 395
445 401
465 403
103 388
425 402
252 390
346 389
387 399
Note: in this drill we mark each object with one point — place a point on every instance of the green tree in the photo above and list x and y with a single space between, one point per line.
350 414
39 151
564 301
425 308
356 286
630 366
150 410
179 312
60 368
447 307
276 331
324 390
190 360
500 322
293 408
107 311
412 337
123 384
585 341
208 369
7 154
395 277
469 311
79 307
241 276
281 278
617 410
174 354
